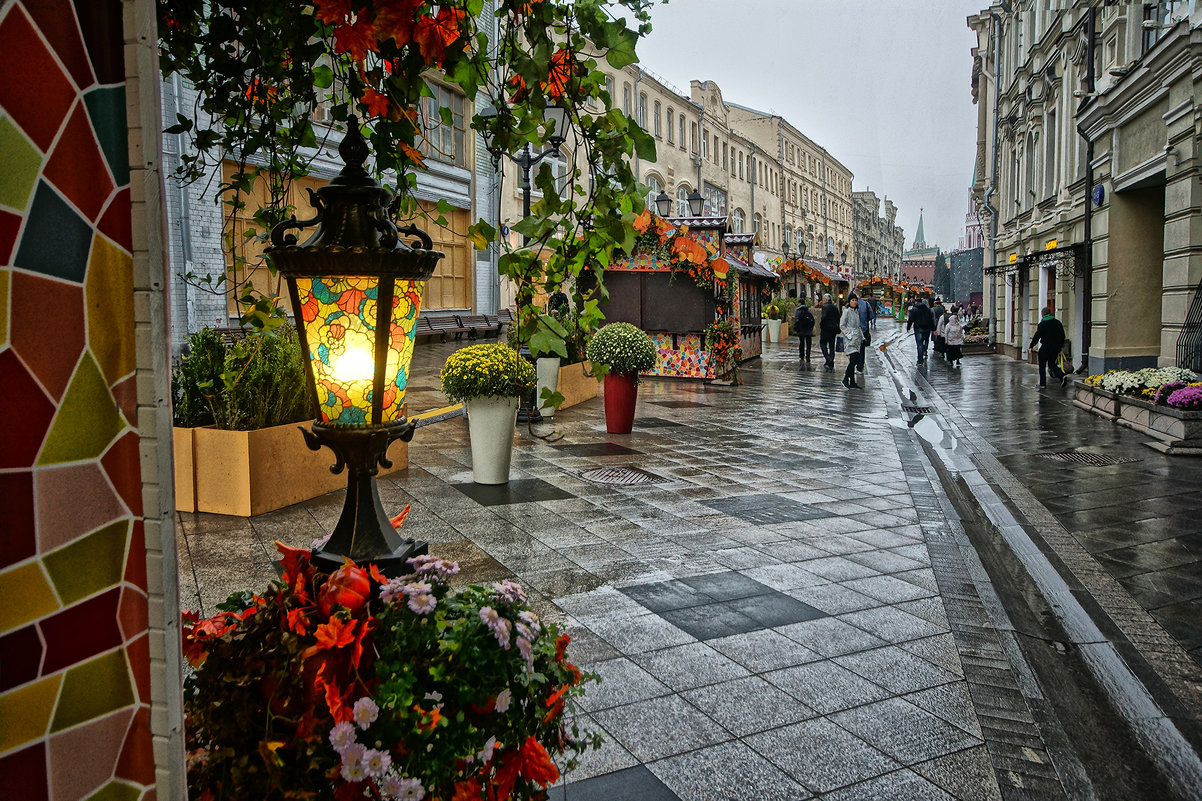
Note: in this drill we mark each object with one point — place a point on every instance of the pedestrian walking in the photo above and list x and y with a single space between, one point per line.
828 329
853 336
1050 336
867 320
923 322
953 335
803 324
939 313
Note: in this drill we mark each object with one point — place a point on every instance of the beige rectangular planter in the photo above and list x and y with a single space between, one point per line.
185 472
247 473
1174 431
576 384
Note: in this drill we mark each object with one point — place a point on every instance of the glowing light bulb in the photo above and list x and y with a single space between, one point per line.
355 364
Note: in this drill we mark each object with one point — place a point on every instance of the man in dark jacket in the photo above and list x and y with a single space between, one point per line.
1050 336
867 315
803 325
923 322
828 329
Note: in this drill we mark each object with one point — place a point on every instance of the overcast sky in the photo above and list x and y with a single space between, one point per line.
883 85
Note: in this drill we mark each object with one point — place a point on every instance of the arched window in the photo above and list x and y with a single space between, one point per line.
671 122
737 221
682 201
654 187
757 222
788 240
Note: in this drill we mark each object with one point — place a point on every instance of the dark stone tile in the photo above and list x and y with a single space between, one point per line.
595 449
680 404
727 585
664 595
521 490
631 784
775 609
711 621
655 422
766 509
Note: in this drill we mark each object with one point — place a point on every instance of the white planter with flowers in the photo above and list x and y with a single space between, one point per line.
489 379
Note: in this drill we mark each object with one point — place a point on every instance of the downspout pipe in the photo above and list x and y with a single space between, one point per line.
1091 36
992 190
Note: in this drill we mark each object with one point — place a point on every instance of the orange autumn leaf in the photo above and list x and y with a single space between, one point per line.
467 791
397 20
376 103
332 12
413 154
434 34
643 221
358 39
517 89
334 634
563 68
399 520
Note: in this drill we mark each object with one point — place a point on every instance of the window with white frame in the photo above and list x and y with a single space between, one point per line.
643 110
654 187
443 141
682 201
737 221
626 99
671 123
658 130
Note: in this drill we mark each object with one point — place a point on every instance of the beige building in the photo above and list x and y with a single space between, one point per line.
1088 176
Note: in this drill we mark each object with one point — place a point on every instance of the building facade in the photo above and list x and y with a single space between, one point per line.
876 238
1088 137
918 261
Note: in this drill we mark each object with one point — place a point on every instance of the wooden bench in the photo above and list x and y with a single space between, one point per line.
480 324
446 324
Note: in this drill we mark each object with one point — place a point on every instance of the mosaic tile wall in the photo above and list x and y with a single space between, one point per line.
75 684
684 359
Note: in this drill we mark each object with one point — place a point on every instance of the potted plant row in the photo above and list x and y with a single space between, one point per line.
354 685
623 351
236 408
1164 402
489 379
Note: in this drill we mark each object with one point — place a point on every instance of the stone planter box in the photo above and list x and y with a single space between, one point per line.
1174 431
576 384
247 473
977 349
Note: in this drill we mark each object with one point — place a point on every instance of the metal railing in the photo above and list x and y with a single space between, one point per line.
1189 343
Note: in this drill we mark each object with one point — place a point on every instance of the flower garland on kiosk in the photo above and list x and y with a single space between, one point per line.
684 254
722 342
353 685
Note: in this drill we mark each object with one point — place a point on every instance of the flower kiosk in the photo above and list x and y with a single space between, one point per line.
692 286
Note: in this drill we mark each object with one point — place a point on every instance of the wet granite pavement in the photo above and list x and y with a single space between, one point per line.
794 610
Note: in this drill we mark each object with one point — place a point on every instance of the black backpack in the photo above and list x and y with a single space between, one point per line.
803 321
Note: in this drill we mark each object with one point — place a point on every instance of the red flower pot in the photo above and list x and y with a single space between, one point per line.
621 391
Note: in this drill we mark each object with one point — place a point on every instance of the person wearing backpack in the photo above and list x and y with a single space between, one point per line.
1050 336
923 323
803 325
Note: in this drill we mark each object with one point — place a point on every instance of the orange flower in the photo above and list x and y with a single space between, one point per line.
555 704
357 39
689 250
561 647
434 714
536 763
663 228
643 221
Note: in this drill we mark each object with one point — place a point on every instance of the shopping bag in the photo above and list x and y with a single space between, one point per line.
1064 363
839 347
1054 369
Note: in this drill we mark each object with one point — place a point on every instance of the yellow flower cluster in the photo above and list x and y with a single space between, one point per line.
481 371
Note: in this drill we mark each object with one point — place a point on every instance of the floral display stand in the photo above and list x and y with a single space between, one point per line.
489 379
1174 431
684 274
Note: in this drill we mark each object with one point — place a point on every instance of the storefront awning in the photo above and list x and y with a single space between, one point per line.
752 269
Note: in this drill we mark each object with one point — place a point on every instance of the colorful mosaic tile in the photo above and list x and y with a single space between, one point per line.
680 356
73 655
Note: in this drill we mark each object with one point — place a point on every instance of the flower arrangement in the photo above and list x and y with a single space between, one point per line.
722 342
353 686
623 348
684 254
1129 382
771 312
489 370
1187 397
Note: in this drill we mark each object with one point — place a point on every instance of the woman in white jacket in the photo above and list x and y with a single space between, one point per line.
849 327
953 333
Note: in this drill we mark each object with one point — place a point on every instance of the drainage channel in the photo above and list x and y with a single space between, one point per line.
1049 612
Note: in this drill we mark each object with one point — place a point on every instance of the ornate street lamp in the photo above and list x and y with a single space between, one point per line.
696 203
356 290
663 204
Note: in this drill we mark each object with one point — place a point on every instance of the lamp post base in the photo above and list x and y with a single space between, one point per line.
363 533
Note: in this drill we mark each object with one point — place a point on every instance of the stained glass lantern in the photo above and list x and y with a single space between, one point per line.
356 290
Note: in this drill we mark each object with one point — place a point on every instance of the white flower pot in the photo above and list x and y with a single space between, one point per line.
774 330
547 368
490 425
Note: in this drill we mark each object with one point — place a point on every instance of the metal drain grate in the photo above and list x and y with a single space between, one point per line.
619 476
918 409
1088 458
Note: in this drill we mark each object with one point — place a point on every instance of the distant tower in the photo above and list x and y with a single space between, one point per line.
920 239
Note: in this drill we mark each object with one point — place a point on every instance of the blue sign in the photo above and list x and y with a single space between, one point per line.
1099 195
505 229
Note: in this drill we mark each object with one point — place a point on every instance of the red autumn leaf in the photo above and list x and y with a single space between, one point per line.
376 103
298 621
536 763
412 154
467 791
397 20
559 78
332 12
561 647
506 775
517 89
334 634
357 39
375 573
433 34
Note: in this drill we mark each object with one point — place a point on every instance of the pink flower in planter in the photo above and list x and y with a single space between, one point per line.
1189 397
1165 390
